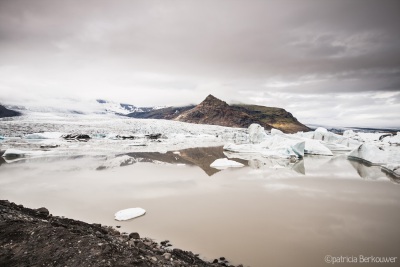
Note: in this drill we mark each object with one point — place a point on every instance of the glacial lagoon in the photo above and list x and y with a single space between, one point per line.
269 213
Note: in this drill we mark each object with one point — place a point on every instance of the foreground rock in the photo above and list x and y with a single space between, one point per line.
5 112
36 238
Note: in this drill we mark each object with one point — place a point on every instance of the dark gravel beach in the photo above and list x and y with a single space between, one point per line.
33 237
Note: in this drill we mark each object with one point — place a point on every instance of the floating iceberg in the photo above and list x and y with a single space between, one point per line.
128 214
279 144
370 154
392 140
312 147
256 133
315 147
225 163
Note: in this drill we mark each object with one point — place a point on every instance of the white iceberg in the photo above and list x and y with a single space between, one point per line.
225 163
392 140
370 154
276 132
270 149
283 145
256 133
128 214
315 147
279 145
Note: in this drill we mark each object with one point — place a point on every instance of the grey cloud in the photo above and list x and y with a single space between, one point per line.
220 47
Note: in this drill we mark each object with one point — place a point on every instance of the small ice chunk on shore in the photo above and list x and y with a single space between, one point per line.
128 214
225 163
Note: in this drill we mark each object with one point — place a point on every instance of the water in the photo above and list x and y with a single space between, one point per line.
259 215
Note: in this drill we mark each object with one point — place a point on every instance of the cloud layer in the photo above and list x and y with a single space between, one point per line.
327 62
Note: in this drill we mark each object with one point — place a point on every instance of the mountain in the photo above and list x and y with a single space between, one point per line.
121 108
217 112
278 118
5 112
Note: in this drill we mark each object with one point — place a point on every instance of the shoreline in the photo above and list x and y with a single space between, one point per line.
34 237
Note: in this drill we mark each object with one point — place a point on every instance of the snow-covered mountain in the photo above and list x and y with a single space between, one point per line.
72 106
122 108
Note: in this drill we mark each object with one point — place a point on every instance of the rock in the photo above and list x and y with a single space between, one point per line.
222 258
43 211
78 137
215 261
153 136
167 256
154 259
134 235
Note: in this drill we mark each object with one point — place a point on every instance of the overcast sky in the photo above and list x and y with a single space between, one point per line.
328 62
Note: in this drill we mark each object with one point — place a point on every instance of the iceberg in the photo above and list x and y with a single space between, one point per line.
315 147
128 214
392 140
256 133
270 148
279 144
370 154
225 163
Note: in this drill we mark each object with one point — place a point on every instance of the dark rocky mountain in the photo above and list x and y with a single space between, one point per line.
5 112
217 112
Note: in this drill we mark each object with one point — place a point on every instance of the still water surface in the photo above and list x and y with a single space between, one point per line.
258 215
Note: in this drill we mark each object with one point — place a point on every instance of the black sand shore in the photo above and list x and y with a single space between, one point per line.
31 237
